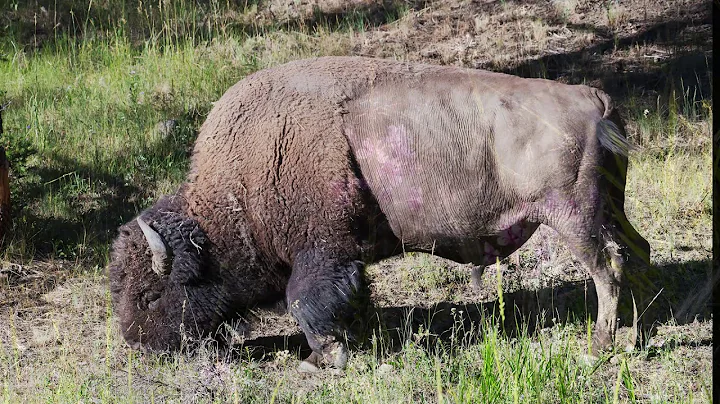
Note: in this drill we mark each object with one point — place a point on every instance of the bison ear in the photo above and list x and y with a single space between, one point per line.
160 255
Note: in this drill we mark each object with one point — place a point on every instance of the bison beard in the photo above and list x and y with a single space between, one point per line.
302 169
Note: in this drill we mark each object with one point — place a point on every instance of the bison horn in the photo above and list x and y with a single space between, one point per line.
157 246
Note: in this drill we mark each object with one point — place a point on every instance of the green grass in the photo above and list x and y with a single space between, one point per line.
89 113
548 367
81 132
82 125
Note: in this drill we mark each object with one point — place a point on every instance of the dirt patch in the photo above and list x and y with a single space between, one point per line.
24 285
565 40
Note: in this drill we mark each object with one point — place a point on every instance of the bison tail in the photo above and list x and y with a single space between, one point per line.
610 130
612 138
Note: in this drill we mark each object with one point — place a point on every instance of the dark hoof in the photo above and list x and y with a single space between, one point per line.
335 355
311 364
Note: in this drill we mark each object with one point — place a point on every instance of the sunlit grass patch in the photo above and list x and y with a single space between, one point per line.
100 127
74 352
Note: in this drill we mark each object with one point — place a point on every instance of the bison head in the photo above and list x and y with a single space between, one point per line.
163 281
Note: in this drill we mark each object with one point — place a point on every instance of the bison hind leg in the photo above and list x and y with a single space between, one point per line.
600 245
476 273
605 267
328 298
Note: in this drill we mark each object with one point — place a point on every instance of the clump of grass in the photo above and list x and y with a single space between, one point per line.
427 274
565 8
616 14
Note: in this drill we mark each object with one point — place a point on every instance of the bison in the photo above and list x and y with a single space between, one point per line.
305 172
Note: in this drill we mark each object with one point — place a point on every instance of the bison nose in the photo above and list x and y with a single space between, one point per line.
135 345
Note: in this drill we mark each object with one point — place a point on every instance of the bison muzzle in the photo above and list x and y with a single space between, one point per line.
305 172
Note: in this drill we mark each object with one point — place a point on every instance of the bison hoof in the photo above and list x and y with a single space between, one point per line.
336 355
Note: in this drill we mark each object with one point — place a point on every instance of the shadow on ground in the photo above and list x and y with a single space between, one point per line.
679 292
688 37
39 24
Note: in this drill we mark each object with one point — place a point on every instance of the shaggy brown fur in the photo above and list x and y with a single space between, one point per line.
302 172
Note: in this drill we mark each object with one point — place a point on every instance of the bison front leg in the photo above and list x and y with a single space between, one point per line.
323 295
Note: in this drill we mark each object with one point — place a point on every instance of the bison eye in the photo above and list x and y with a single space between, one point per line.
154 304
150 300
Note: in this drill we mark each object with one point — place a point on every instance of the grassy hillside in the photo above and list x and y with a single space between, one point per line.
103 99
